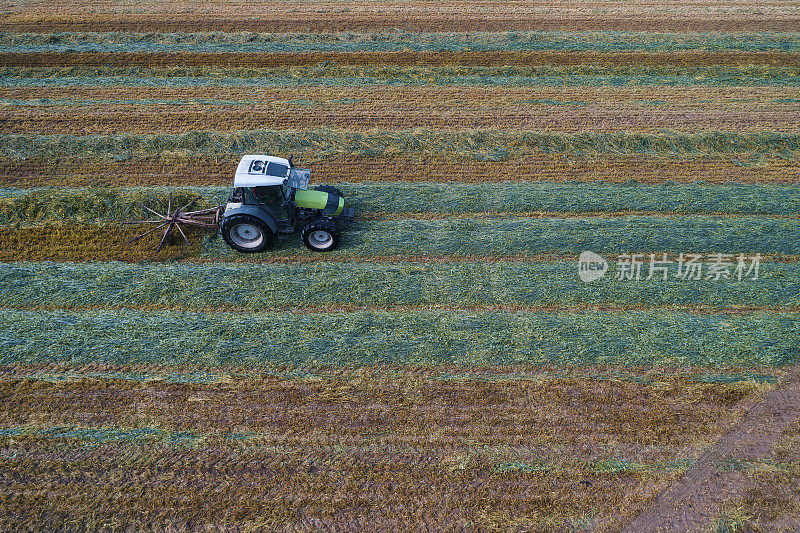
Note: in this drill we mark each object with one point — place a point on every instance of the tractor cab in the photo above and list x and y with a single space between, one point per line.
260 181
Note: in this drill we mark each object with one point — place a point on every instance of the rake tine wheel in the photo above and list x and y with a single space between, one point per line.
164 238
182 209
203 218
183 235
156 214
146 232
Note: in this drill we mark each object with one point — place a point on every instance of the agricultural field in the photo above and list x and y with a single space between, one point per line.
446 368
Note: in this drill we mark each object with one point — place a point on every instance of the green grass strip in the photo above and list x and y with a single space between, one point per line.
24 206
102 435
481 145
263 340
267 286
395 41
567 236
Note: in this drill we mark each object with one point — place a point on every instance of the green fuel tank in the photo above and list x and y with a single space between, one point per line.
330 204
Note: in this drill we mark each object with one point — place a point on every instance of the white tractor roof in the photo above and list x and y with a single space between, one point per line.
260 171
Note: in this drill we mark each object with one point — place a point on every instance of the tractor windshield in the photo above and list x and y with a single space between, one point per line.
270 198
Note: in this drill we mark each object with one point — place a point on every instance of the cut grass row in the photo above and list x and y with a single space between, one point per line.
403 58
654 375
481 145
470 338
474 97
419 16
534 405
451 237
509 236
304 487
181 169
148 110
329 74
326 285
403 200
396 41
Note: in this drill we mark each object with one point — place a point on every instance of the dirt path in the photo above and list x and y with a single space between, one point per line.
693 502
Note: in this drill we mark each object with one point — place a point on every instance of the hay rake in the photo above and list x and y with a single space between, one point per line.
203 218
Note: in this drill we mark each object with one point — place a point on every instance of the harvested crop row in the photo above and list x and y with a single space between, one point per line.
265 340
82 242
576 110
737 98
466 58
506 236
186 375
479 145
301 485
386 432
533 402
396 41
333 75
165 118
412 200
459 16
504 284
179 169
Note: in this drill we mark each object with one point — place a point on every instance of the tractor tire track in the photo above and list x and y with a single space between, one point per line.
693 502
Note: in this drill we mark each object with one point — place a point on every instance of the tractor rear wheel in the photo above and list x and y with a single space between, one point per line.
246 233
322 235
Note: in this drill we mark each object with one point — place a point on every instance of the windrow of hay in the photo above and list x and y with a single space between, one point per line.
414 16
405 200
459 58
393 41
357 338
336 74
398 284
509 236
491 145
171 110
456 237
181 169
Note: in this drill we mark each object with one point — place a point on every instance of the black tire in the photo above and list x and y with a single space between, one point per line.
330 189
322 235
246 234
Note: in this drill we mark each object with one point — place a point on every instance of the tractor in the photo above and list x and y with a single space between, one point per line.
270 198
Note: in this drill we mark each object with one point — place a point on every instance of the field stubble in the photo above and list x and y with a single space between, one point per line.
325 448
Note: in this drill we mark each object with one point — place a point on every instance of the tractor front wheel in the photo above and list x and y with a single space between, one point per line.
322 235
246 233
